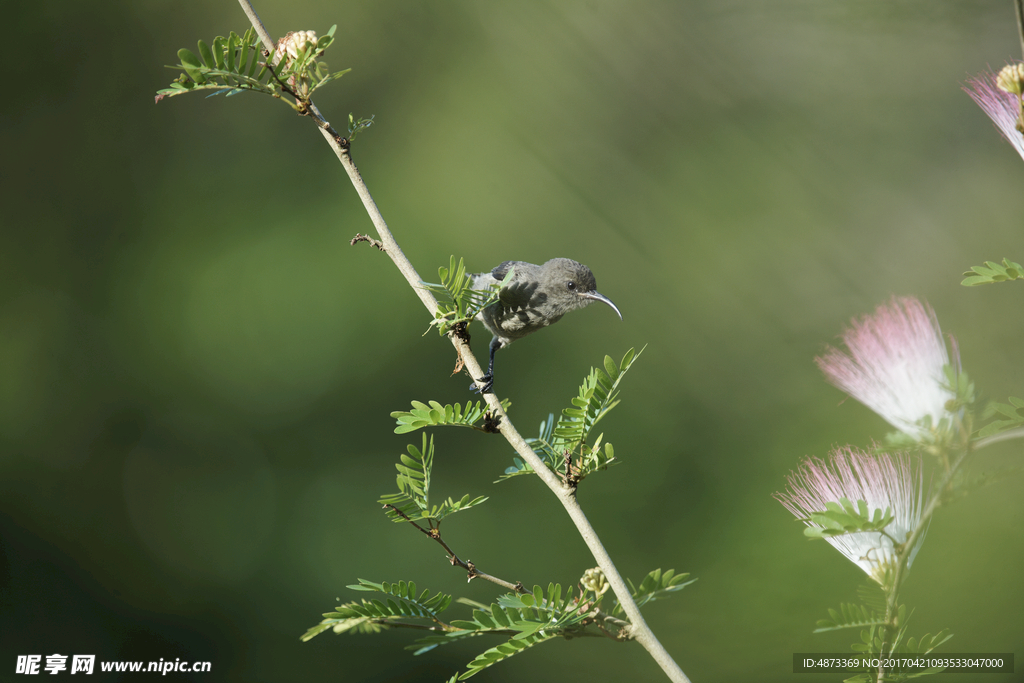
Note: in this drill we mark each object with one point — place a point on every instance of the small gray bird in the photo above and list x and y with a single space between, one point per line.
537 296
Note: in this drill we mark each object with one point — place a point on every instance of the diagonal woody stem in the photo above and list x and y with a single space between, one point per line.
639 629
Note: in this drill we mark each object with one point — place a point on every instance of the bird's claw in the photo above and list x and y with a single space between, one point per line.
487 382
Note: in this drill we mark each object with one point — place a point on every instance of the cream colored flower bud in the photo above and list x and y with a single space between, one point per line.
594 581
292 43
1011 78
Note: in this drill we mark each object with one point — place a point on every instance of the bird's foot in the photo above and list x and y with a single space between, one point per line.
483 385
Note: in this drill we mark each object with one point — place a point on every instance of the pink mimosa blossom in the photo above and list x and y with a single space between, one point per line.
886 481
895 365
994 94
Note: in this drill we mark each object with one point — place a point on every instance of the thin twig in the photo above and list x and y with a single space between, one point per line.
899 573
1019 4
1002 436
639 629
474 573
367 238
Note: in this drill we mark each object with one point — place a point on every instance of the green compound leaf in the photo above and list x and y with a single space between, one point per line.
235 64
370 616
926 643
502 652
850 615
412 502
519 618
530 619
993 272
596 397
872 596
655 586
433 414
1010 415
547 607
338 623
458 303
845 517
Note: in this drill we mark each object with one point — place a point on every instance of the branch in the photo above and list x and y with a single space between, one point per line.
366 238
471 570
1019 4
900 571
639 630
1002 436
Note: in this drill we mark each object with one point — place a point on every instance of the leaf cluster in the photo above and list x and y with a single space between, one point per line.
596 397
529 619
850 615
846 517
656 585
412 502
536 617
433 414
458 303
869 616
871 644
370 616
992 272
523 620
1010 415
236 64
357 126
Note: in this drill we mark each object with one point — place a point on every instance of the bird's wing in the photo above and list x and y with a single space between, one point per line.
501 270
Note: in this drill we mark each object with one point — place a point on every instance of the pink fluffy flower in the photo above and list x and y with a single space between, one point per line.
886 481
895 366
1000 97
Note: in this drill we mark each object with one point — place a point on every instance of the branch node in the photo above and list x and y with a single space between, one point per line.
570 473
460 331
367 238
491 423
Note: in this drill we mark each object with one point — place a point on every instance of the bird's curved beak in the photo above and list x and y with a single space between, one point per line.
603 299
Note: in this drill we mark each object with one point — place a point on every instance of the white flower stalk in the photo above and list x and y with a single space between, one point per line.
886 481
895 366
999 96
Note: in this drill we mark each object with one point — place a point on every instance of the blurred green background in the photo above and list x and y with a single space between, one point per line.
196 369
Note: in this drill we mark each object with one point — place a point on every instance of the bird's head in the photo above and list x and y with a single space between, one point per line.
571 285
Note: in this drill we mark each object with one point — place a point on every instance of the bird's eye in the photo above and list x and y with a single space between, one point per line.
571 285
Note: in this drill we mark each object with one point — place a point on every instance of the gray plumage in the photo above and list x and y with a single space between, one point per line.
537 296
